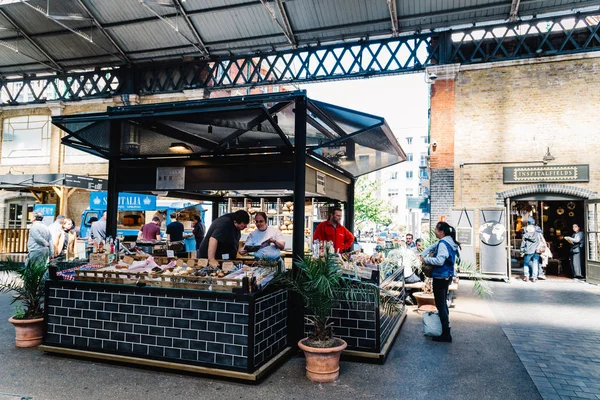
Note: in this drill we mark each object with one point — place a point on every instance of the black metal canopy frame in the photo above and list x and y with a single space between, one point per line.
247 143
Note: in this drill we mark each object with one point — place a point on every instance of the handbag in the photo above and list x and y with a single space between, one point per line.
432 326
427 270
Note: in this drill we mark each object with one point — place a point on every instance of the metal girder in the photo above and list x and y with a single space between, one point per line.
101 28
514 10
565 34
191 26
286 30
65 87
393 16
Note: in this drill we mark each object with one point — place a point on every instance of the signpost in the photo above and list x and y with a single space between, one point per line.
127 201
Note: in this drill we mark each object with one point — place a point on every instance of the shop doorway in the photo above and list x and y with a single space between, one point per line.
555 218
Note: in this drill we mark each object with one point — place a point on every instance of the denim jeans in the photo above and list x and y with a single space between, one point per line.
534 260
440 294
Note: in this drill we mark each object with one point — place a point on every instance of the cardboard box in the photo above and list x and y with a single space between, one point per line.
99 259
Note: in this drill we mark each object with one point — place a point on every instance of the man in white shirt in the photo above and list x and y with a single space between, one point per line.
56 227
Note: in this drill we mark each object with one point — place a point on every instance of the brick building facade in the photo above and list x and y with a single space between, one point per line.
490 116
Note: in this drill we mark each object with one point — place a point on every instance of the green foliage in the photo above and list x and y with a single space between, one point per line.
367 206
28 283
19 313
321 284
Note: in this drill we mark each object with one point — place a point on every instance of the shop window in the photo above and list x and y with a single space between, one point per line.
409 174
15 215
26 140
409 140
423 174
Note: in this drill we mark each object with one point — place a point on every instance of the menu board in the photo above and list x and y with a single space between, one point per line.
464 235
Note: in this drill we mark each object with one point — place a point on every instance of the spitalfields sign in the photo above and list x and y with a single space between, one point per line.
547 174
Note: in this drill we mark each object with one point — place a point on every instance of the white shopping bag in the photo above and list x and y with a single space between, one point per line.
432 326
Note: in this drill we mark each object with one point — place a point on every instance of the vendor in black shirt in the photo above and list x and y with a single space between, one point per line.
223 236
175 229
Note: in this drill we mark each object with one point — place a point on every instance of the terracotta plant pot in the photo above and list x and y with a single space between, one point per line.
424 299
30 332
322 365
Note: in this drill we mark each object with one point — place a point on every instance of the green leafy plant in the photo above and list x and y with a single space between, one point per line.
27 281
321 284
19 313
368 207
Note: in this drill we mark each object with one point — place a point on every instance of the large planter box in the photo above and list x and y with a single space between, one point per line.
219 333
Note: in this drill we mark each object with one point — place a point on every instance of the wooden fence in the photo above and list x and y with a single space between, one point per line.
13 240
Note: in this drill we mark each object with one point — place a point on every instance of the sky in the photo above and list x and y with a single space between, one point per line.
401 99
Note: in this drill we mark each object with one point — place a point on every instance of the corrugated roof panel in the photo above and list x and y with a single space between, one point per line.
110 11
238 23
30 20
312 14
151 35
202 4
25 55
72 46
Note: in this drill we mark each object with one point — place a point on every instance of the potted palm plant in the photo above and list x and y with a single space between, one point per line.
27 281
321 284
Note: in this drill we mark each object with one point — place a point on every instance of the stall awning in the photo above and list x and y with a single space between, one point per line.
349 140
46 181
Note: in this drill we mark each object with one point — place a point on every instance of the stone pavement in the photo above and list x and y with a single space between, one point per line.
554 327
480 364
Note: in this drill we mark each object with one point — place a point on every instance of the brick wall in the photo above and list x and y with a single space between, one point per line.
513 113
442 193
270 323
442 124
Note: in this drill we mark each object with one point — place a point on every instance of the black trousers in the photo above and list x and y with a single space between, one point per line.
440 294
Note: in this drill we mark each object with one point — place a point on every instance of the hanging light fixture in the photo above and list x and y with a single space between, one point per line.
180 148
548 157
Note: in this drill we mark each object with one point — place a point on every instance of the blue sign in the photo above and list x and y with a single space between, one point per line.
127 201
47 210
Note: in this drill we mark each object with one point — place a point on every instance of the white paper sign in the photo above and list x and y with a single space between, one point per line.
170 253
170 178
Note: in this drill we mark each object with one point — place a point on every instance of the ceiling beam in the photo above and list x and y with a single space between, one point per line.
191 26
394 16
286 19
101 28
514 10
175 27
289 35
54 66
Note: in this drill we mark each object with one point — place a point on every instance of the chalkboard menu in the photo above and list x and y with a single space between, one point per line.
464 236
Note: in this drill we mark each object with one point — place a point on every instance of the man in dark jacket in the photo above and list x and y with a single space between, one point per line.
529 250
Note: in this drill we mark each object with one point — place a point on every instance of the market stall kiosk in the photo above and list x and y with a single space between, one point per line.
281 144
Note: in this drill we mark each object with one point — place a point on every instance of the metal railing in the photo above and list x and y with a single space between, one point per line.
13 240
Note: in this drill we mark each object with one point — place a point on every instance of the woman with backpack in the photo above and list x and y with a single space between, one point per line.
443 258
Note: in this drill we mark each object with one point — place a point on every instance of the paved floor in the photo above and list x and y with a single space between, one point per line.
480 364
554 326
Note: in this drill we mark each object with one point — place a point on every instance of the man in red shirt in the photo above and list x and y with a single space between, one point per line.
333 231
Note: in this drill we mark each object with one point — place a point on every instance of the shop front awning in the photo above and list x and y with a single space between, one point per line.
348 140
